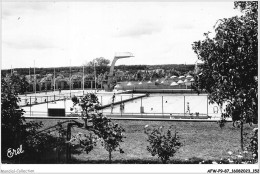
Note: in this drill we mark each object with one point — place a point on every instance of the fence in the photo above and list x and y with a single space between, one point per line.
151 116
39 98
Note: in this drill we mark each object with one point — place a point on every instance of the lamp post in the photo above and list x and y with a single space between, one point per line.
95 75
34 78
29 80
83 80
162 104
70 78
54 80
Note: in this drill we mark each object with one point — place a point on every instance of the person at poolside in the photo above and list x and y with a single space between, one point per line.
113 98
112 108
188 108
26 101
122 106
59 90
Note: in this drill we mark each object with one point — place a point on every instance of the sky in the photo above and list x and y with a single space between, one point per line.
56 34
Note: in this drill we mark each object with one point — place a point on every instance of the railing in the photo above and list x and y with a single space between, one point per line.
159 115
33 99
126 115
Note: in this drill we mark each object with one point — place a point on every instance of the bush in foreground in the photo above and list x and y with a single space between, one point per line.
163 143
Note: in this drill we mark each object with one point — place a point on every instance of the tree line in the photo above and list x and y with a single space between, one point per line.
181 68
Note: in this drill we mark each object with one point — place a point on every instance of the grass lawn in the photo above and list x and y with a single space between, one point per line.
203 140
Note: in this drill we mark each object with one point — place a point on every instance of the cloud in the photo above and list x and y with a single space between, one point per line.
183 26
29 44
6 13
138 29
29 6
145 27
19 8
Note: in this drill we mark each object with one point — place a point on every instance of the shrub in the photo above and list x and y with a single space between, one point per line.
163 143
85 141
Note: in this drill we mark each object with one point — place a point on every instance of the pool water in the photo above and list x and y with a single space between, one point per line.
169 103
154 104
41 109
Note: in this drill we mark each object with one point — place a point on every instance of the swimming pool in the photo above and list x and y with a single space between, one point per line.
65 102
183 104
170 104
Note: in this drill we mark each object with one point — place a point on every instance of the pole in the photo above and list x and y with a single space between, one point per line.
95 76
29 80
30 106
162 104
184 105
83 80
64 104
207 105
141 108
70 78
54 80
34 78
121 106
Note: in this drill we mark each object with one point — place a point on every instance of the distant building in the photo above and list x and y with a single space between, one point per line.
15 73
159 70
119 73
